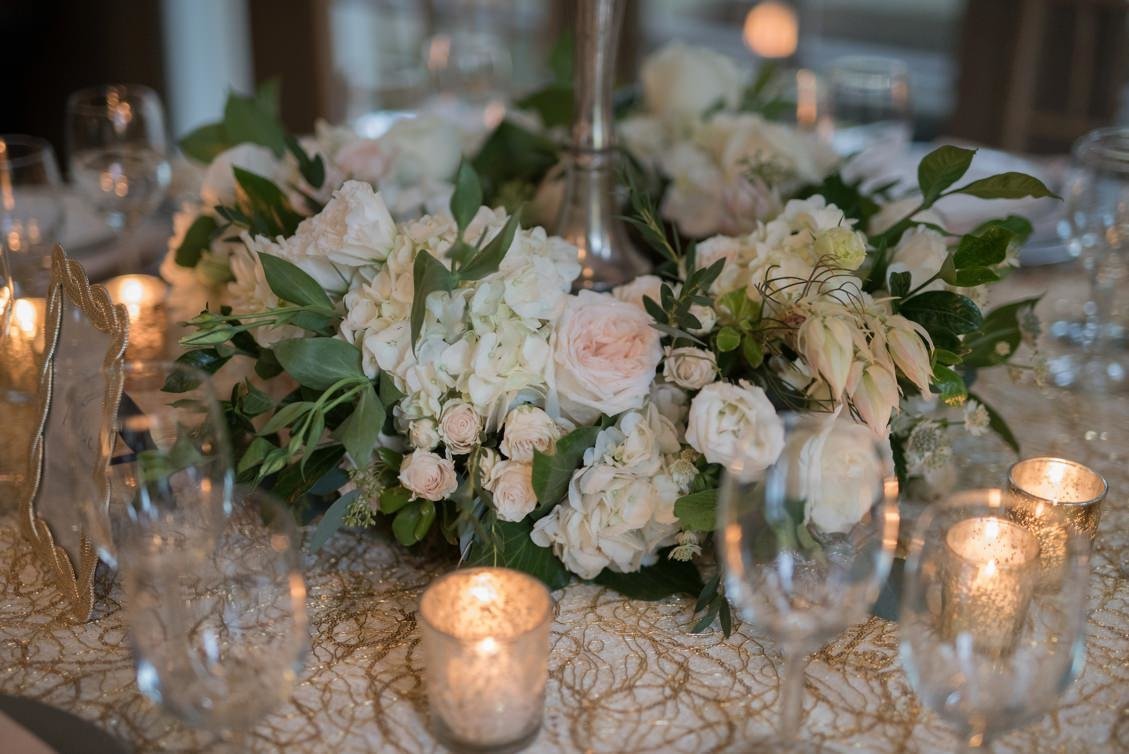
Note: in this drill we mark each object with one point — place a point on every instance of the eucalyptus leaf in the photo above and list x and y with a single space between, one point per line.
332 520
940 169
361 430
318 363
290 283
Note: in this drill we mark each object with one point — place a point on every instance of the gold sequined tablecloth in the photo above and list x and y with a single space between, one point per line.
625 676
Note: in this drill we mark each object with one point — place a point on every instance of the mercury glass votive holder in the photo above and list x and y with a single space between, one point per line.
486 656
990 572
1076 490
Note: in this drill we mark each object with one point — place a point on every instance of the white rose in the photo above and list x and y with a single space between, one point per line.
423 434
735 425
219 186
921 252
680 82
353 229
364 159
604 353
428 476
649 286
460 426
835 470
512 486
527 429
706 317
688 367
422 148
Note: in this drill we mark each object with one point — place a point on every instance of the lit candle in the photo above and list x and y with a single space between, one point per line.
23 344
1077 491
144 299
486 651
989 575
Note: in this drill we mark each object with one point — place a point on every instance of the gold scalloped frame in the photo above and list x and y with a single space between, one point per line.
69 282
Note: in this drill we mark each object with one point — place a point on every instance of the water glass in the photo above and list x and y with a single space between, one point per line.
991 634
1097 207
806 545
165 458
218 624
870 107
31 213
118 154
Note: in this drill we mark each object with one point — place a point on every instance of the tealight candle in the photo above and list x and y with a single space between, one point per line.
1077 491
23 344
486 652
989 576
144 299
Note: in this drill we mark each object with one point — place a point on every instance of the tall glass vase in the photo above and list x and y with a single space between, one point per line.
590 212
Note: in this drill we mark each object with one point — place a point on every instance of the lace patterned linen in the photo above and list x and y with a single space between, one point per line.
625 676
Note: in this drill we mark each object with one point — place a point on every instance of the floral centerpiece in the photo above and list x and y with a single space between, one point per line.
437 374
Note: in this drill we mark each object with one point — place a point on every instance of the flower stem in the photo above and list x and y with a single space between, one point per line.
792 694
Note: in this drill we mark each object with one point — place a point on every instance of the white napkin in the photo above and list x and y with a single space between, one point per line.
19 740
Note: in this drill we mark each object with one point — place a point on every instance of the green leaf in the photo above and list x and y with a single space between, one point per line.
255 401
728 339
1017 225
196 240
205 143
561 56
997 423
428 276
698 510
467 198
1007 186
943 312
393 499
513 154
949 385
970 277
663 579
509 546
332 520
267 366
255 454
268 96
412 522
388 392
983 250
319 362
1000 326
752 350
948 358
552 473
272 214
290 283
552 103
361 430
940 169
487 260
296 479
285 416
312 169
207 360
245 119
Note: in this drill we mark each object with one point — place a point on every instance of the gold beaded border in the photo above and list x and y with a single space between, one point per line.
69 282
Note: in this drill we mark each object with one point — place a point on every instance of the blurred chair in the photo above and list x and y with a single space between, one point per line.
1037 74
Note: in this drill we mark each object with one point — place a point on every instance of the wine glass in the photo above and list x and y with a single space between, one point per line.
870 107
118 152
31 213
217 623
165 456
993 611
1097 208
807 544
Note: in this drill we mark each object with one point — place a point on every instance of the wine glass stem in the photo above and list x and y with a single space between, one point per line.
792 694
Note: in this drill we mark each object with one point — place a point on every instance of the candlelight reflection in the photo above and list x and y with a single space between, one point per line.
772 29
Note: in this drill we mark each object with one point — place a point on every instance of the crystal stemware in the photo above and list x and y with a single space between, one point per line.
31 213
164 456
807 544
992 626
217 623
118 155
870 107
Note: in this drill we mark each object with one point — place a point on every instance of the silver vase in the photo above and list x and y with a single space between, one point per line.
589 215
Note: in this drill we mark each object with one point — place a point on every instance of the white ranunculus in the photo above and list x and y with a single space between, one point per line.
422 148
921 252
511 483
528 428
681 82
648 286
604 355
460 426
353 229
835 470
423 434
735 425
689 367
428 475
219 186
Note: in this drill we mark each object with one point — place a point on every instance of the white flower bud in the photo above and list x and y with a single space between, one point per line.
423 434
690 368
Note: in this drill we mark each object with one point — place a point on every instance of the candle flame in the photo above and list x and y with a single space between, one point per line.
990 568
482 589
488 646
27 319
992 529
